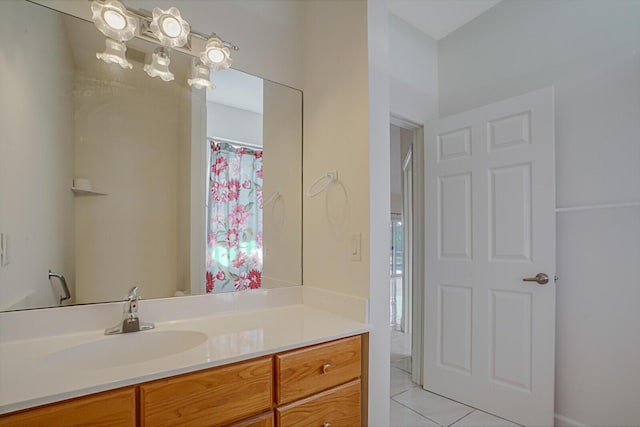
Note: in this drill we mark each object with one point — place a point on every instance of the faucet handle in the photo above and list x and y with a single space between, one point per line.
133 294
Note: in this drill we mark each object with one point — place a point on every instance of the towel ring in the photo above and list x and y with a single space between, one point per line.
270 199
329 178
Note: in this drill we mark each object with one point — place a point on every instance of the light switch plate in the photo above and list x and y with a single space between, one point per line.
355 247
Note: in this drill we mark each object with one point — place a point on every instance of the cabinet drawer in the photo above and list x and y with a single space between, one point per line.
338 407
307 371
263 420
214 397
111 408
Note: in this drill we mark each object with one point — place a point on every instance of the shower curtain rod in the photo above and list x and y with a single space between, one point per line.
240 143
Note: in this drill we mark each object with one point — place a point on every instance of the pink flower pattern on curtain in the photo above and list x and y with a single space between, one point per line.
234 219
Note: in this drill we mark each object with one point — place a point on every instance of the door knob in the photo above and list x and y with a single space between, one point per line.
541 278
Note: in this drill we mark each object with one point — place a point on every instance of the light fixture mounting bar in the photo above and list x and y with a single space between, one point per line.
168 30
145 33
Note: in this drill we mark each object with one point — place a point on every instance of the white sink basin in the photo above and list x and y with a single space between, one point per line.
125 349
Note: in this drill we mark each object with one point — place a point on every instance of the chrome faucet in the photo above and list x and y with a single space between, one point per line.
130 321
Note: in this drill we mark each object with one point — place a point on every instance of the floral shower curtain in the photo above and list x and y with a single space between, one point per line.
234 219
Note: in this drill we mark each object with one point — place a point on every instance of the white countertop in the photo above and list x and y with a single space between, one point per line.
30 376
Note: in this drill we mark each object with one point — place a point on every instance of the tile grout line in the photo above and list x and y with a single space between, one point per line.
472 409
418 413
400 392
463 417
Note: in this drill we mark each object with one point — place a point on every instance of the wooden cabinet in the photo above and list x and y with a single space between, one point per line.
111 408
320 385
339 406
214 397
316 385
262 420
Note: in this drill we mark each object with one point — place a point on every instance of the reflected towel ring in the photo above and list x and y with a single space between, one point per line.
330 177
271 198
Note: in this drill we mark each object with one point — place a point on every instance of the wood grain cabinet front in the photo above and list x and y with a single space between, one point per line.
337 407
111 408
303 372
215 397
319 385
262 420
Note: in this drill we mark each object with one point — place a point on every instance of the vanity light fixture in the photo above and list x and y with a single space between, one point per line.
216 55
113 20
159 66
201 78
169 27
114 54
163 27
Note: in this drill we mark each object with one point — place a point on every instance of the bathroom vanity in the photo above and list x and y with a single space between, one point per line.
320 384
284 366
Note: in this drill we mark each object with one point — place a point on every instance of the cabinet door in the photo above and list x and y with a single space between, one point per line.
307 371
338 407
262 420
111 408
214 397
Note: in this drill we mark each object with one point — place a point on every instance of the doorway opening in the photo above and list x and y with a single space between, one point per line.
405 252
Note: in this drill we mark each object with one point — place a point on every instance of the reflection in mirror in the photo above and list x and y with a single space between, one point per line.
111 179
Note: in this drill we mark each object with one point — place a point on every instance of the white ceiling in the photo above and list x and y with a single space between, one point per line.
439 18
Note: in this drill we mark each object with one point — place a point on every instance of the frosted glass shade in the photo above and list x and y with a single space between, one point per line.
169 27
216 55
114 54
113 20
159 66
201 78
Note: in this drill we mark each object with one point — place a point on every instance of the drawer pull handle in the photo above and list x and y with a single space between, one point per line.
326 368
326 425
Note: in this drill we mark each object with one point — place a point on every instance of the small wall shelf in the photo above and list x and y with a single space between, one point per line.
81 192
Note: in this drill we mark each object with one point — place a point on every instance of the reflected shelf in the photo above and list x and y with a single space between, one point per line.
82 192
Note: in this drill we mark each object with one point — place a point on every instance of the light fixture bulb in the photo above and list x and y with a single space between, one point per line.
159 66
169 27
113 20
201 79
114 54
216 55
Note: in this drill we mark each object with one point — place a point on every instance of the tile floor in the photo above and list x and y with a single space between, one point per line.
411 406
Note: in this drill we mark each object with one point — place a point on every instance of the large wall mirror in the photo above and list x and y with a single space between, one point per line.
111 179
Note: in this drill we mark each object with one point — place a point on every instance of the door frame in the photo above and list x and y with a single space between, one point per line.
418 248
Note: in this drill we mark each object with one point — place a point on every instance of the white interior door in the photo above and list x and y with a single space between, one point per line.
490 222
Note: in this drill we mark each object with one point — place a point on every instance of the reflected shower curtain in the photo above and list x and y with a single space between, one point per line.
234 219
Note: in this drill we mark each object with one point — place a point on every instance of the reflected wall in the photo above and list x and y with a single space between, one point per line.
141 143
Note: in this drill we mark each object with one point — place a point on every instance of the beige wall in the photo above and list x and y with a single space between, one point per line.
130 144
36 155
336 138
282 217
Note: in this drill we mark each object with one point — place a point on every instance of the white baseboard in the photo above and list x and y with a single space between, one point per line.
562 421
